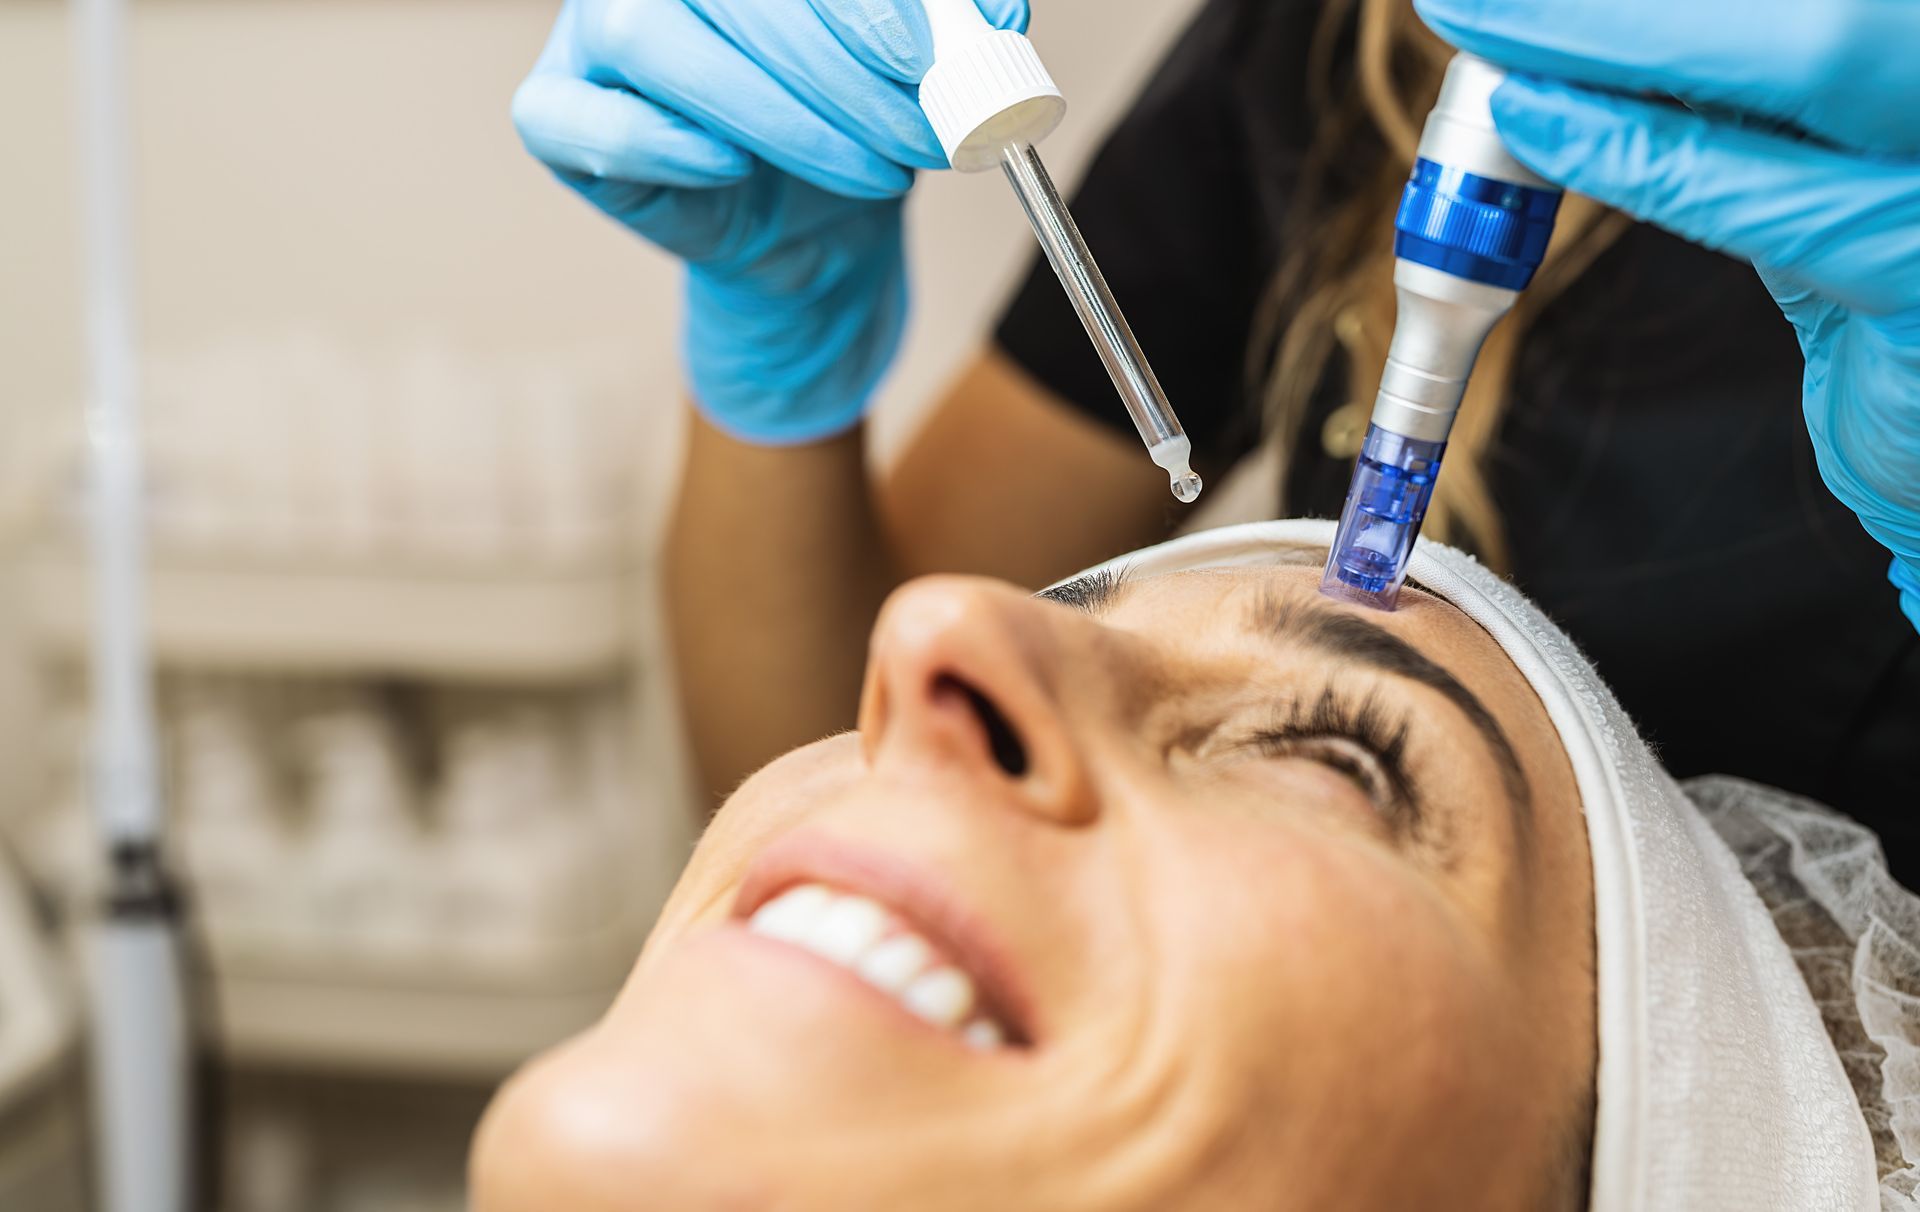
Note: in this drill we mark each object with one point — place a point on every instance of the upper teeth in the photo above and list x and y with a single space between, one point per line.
862 936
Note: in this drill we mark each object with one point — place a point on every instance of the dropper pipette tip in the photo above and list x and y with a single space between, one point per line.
1173 455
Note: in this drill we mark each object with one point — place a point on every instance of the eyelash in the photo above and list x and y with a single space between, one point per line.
1323 729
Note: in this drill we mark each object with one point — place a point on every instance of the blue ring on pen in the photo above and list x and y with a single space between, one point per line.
1474 227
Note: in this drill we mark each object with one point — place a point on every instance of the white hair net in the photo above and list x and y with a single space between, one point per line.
1855 935
1733 933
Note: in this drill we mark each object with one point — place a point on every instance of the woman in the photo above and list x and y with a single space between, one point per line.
1631 452
1191 888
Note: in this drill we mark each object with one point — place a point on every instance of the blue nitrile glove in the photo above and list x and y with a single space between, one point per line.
1830 214
768 144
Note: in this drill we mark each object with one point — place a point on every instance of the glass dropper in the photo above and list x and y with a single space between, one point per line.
989 100
1093 301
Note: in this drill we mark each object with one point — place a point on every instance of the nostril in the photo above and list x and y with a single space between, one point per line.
1002 740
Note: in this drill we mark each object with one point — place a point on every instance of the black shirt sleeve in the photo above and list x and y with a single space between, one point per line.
1172 209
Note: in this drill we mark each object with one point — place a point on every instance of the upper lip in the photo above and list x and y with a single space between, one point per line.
924 903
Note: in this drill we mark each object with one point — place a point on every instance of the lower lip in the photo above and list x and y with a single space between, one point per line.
795 962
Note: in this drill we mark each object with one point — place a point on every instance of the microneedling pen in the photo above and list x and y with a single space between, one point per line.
1472 228
990 100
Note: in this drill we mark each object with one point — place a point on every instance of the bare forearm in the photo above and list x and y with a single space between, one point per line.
778 559
775 569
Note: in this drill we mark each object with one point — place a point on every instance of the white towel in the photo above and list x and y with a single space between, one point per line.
1718 1085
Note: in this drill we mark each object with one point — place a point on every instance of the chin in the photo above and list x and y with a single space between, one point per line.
589 1128
732 1075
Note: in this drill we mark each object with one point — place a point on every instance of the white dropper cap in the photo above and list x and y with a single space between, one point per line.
987 90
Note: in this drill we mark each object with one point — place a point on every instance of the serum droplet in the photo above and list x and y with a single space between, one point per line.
1186 488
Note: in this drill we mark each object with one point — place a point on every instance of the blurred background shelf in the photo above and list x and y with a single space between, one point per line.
436 1032
395 873
481 625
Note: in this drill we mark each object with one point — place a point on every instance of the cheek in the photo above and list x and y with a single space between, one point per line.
776 799
1313 968
1309 921
783 792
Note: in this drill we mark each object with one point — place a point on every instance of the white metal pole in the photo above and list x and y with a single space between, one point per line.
139 1031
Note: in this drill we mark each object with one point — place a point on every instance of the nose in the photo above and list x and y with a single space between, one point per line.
969 676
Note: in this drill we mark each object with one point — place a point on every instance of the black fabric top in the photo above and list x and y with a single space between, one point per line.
1653 471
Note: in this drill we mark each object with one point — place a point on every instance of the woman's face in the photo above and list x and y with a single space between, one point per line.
1274 902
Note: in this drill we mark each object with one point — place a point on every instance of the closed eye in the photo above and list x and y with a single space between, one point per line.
1356 763
1359 741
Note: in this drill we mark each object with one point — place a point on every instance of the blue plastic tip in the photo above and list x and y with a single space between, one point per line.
1392 485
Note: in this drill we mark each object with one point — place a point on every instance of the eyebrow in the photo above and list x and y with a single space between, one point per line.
1344 635
1349 636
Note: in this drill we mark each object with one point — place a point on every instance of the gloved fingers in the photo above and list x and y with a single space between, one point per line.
670 55
892 36
770 231
1863 410
797 47
1905 575
1844 226
1826 66
634 203
611 134
1810 315
1008 14
888 36
561 53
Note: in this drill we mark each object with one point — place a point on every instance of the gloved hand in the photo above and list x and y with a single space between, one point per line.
1829 214
768 144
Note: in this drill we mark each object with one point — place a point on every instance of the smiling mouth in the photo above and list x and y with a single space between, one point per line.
867 939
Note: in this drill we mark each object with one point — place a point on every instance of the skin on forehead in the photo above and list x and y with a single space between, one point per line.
1248 990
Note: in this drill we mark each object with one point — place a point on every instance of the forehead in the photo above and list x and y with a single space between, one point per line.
1213 602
